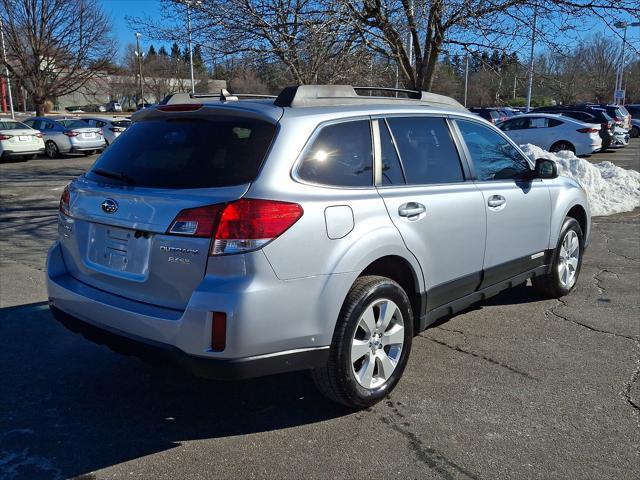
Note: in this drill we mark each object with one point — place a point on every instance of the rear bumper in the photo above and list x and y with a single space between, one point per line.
168 355
264 335
76 148
19 153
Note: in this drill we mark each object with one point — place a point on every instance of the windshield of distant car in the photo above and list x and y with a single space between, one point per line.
11 125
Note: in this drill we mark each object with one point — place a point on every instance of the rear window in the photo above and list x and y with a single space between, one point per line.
121 123
74 123
9 125
186 153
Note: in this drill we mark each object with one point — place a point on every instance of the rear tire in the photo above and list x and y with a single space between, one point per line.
566 262
562 145
51 149
371 344
88 152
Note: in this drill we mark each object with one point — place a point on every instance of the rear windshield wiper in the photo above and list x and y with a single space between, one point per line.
115 175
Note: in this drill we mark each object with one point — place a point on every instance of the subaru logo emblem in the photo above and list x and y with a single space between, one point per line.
109 205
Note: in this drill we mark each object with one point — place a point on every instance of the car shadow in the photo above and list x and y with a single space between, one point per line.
68 407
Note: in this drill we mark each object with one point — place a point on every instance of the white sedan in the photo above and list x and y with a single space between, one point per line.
18 140
553 133
111 127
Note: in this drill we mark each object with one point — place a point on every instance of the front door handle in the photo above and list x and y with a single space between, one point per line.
411 209
496 201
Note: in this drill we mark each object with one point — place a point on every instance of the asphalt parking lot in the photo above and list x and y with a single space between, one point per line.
517 387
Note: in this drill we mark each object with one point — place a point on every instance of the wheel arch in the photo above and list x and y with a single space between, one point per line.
401 271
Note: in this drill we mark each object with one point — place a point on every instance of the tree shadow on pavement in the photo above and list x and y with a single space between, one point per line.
68 407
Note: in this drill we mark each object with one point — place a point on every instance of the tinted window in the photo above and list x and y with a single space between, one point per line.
554 122
493 157
76 123
514 124
426 150
391 169
340 155
186 153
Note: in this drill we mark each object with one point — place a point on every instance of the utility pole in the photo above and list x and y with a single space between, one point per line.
139 54
193 87
466 77
6 70
620 71
533 44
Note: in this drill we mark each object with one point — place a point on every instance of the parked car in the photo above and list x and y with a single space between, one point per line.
620 137
113 107
594 116
489 114
633 109
635 128
67 135
111 127
620 115
553 133
18 140
372 217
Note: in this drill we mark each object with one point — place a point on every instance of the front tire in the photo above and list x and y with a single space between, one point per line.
635 132
566 263
371 344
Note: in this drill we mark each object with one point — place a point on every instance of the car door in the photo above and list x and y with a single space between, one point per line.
437 209
518 211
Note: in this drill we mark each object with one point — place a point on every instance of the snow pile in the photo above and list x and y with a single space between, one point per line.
610 189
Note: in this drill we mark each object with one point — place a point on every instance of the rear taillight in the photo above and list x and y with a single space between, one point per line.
5 137
38 135
71 133
588 130
239 226
64 201
197 222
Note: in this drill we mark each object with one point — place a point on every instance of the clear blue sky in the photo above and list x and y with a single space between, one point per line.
119 9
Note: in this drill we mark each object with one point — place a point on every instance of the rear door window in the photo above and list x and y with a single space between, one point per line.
427 151
186 153
340 155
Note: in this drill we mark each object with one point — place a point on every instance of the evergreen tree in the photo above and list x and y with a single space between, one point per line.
175 51
198 61
152 51
163 52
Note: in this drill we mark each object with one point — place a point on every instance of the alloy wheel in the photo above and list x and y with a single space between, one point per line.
377 343
568 260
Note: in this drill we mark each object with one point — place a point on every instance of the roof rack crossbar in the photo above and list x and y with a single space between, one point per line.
334 95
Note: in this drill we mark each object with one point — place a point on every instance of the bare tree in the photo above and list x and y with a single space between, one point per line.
54 47
306 36
386 25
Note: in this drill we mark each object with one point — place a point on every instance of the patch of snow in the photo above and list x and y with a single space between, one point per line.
610 189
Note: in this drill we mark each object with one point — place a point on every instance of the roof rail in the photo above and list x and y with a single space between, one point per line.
223 95
330 95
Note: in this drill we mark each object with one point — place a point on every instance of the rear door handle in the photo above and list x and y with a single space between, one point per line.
411 209
496 201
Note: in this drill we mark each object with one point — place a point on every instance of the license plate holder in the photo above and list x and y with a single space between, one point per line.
118 251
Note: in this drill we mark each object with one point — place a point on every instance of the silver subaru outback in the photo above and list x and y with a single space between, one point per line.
319 230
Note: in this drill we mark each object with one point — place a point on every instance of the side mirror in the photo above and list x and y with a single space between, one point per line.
546 168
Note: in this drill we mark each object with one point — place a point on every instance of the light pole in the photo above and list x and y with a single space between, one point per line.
6 69
620 72
190 4
466 77
533 44
139 55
